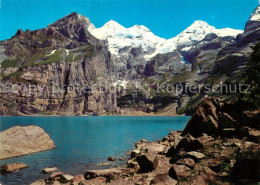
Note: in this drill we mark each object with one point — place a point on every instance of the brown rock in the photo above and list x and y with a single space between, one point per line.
17 141
49 169
39 182
134 153
147 161
78 178
251 118
187 162
109 174
189 143
205 177
140 144
254 135
154 147
205 120
96 181
132 164
195 155
55 174
13 167
179 171
163 179
111 158
64 178
247 165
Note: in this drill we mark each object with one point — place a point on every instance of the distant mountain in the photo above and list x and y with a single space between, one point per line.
119 37
72 52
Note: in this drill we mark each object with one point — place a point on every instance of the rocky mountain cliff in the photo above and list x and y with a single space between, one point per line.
73 53
62 55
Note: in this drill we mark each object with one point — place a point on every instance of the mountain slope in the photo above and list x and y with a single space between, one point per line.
72 52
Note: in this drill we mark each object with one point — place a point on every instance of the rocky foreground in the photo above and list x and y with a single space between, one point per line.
218 146
18 141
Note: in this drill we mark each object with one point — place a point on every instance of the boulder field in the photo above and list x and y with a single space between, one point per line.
218 146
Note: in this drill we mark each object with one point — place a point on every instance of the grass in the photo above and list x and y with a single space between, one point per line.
10 106
10 63
54 58
70 58
14 76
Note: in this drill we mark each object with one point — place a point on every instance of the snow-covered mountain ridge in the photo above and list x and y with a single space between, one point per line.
119 37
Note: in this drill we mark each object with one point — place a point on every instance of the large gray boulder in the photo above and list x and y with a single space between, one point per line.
18 141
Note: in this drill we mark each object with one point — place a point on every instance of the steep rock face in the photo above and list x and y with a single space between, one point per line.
63 62
17 141
254 21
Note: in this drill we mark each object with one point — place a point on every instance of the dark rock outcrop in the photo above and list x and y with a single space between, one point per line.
247 165
147 162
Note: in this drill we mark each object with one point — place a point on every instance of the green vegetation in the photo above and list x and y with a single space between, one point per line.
10 63
70 58
14 76
252 76
54 58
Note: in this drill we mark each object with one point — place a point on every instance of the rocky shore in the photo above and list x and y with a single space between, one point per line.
218 146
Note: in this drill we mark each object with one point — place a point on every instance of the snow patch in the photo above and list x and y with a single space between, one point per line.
51 53
256 15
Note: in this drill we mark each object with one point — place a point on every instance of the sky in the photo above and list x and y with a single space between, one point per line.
165 18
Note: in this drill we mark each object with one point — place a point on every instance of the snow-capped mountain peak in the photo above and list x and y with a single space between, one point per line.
119 37
256 15
112 25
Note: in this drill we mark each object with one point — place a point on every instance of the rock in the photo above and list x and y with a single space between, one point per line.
205 119
39 182
205 177
187 162
205 139
56 183
17 141
147 162
109 174
247 165
132 164
155 147
64 178
163 179
140 143
195 155
96 181
228 132
111 158
134 153
188 144
49 169
254 135
219 163
13 167
103 164
251 118
78 178
55 174
179 171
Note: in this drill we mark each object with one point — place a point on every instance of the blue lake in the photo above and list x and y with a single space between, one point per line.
83 142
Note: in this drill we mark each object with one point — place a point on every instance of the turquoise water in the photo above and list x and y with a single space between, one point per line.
83 142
